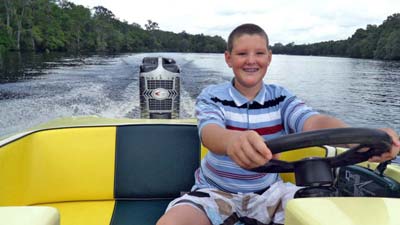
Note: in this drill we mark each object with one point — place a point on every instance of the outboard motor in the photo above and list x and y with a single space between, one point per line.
159 88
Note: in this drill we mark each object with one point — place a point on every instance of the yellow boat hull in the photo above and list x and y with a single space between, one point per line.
78 166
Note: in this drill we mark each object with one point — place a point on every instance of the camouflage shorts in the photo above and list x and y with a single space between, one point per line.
224 208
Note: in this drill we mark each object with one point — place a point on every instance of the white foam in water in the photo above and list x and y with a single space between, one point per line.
67 92
122 108
187 105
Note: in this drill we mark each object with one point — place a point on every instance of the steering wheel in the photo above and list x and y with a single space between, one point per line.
316 171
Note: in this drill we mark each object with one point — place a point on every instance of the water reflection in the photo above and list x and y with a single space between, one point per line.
16 66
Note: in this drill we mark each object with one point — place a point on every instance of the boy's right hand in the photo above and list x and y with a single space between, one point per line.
248 150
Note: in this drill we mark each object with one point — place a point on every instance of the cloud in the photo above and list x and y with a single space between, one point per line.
299 21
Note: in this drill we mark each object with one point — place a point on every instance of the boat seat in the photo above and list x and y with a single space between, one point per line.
32 215
111 212
115 175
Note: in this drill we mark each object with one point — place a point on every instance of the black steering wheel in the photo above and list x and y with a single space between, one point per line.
311 171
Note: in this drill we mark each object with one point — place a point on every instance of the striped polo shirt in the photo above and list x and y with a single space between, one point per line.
272 113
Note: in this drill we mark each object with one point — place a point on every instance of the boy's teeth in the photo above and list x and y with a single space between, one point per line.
251 69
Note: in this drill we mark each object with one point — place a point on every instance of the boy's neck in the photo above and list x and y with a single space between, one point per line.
249 93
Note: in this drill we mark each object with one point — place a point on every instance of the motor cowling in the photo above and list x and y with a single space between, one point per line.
159 82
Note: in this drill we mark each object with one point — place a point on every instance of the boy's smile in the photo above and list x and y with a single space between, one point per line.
249 61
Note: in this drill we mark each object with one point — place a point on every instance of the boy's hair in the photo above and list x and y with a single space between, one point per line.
247 28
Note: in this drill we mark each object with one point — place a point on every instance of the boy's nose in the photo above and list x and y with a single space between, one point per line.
251 59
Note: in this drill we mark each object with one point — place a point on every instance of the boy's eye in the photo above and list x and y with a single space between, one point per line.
261 53
241 53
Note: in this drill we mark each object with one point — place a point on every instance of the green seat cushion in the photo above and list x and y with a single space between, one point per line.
138 212
155 161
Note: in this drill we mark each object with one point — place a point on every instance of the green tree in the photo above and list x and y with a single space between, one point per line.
387 42
393 46
380 42
151 25
60 25
18 9
102 26
5 40
75 21
389 46
47 25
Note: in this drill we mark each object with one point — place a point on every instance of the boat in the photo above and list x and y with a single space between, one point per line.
90 170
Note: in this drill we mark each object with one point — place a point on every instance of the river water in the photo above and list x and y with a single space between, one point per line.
363 93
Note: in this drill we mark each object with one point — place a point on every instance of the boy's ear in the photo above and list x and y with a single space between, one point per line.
269 56
228 58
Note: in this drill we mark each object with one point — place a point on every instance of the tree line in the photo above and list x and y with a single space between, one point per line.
59 25
374 42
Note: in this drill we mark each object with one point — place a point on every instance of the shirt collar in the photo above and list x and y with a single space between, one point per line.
240 100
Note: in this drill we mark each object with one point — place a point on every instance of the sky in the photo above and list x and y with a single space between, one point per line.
285 21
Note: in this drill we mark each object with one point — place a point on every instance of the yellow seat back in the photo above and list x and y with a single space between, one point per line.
53 166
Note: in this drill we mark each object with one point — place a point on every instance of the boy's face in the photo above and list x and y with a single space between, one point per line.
249 61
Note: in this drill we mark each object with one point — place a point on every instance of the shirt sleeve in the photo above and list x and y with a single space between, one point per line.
208 111
294 113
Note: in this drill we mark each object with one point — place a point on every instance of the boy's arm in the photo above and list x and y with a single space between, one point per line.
320 121
246 148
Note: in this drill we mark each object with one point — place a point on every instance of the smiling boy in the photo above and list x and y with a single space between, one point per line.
234 121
